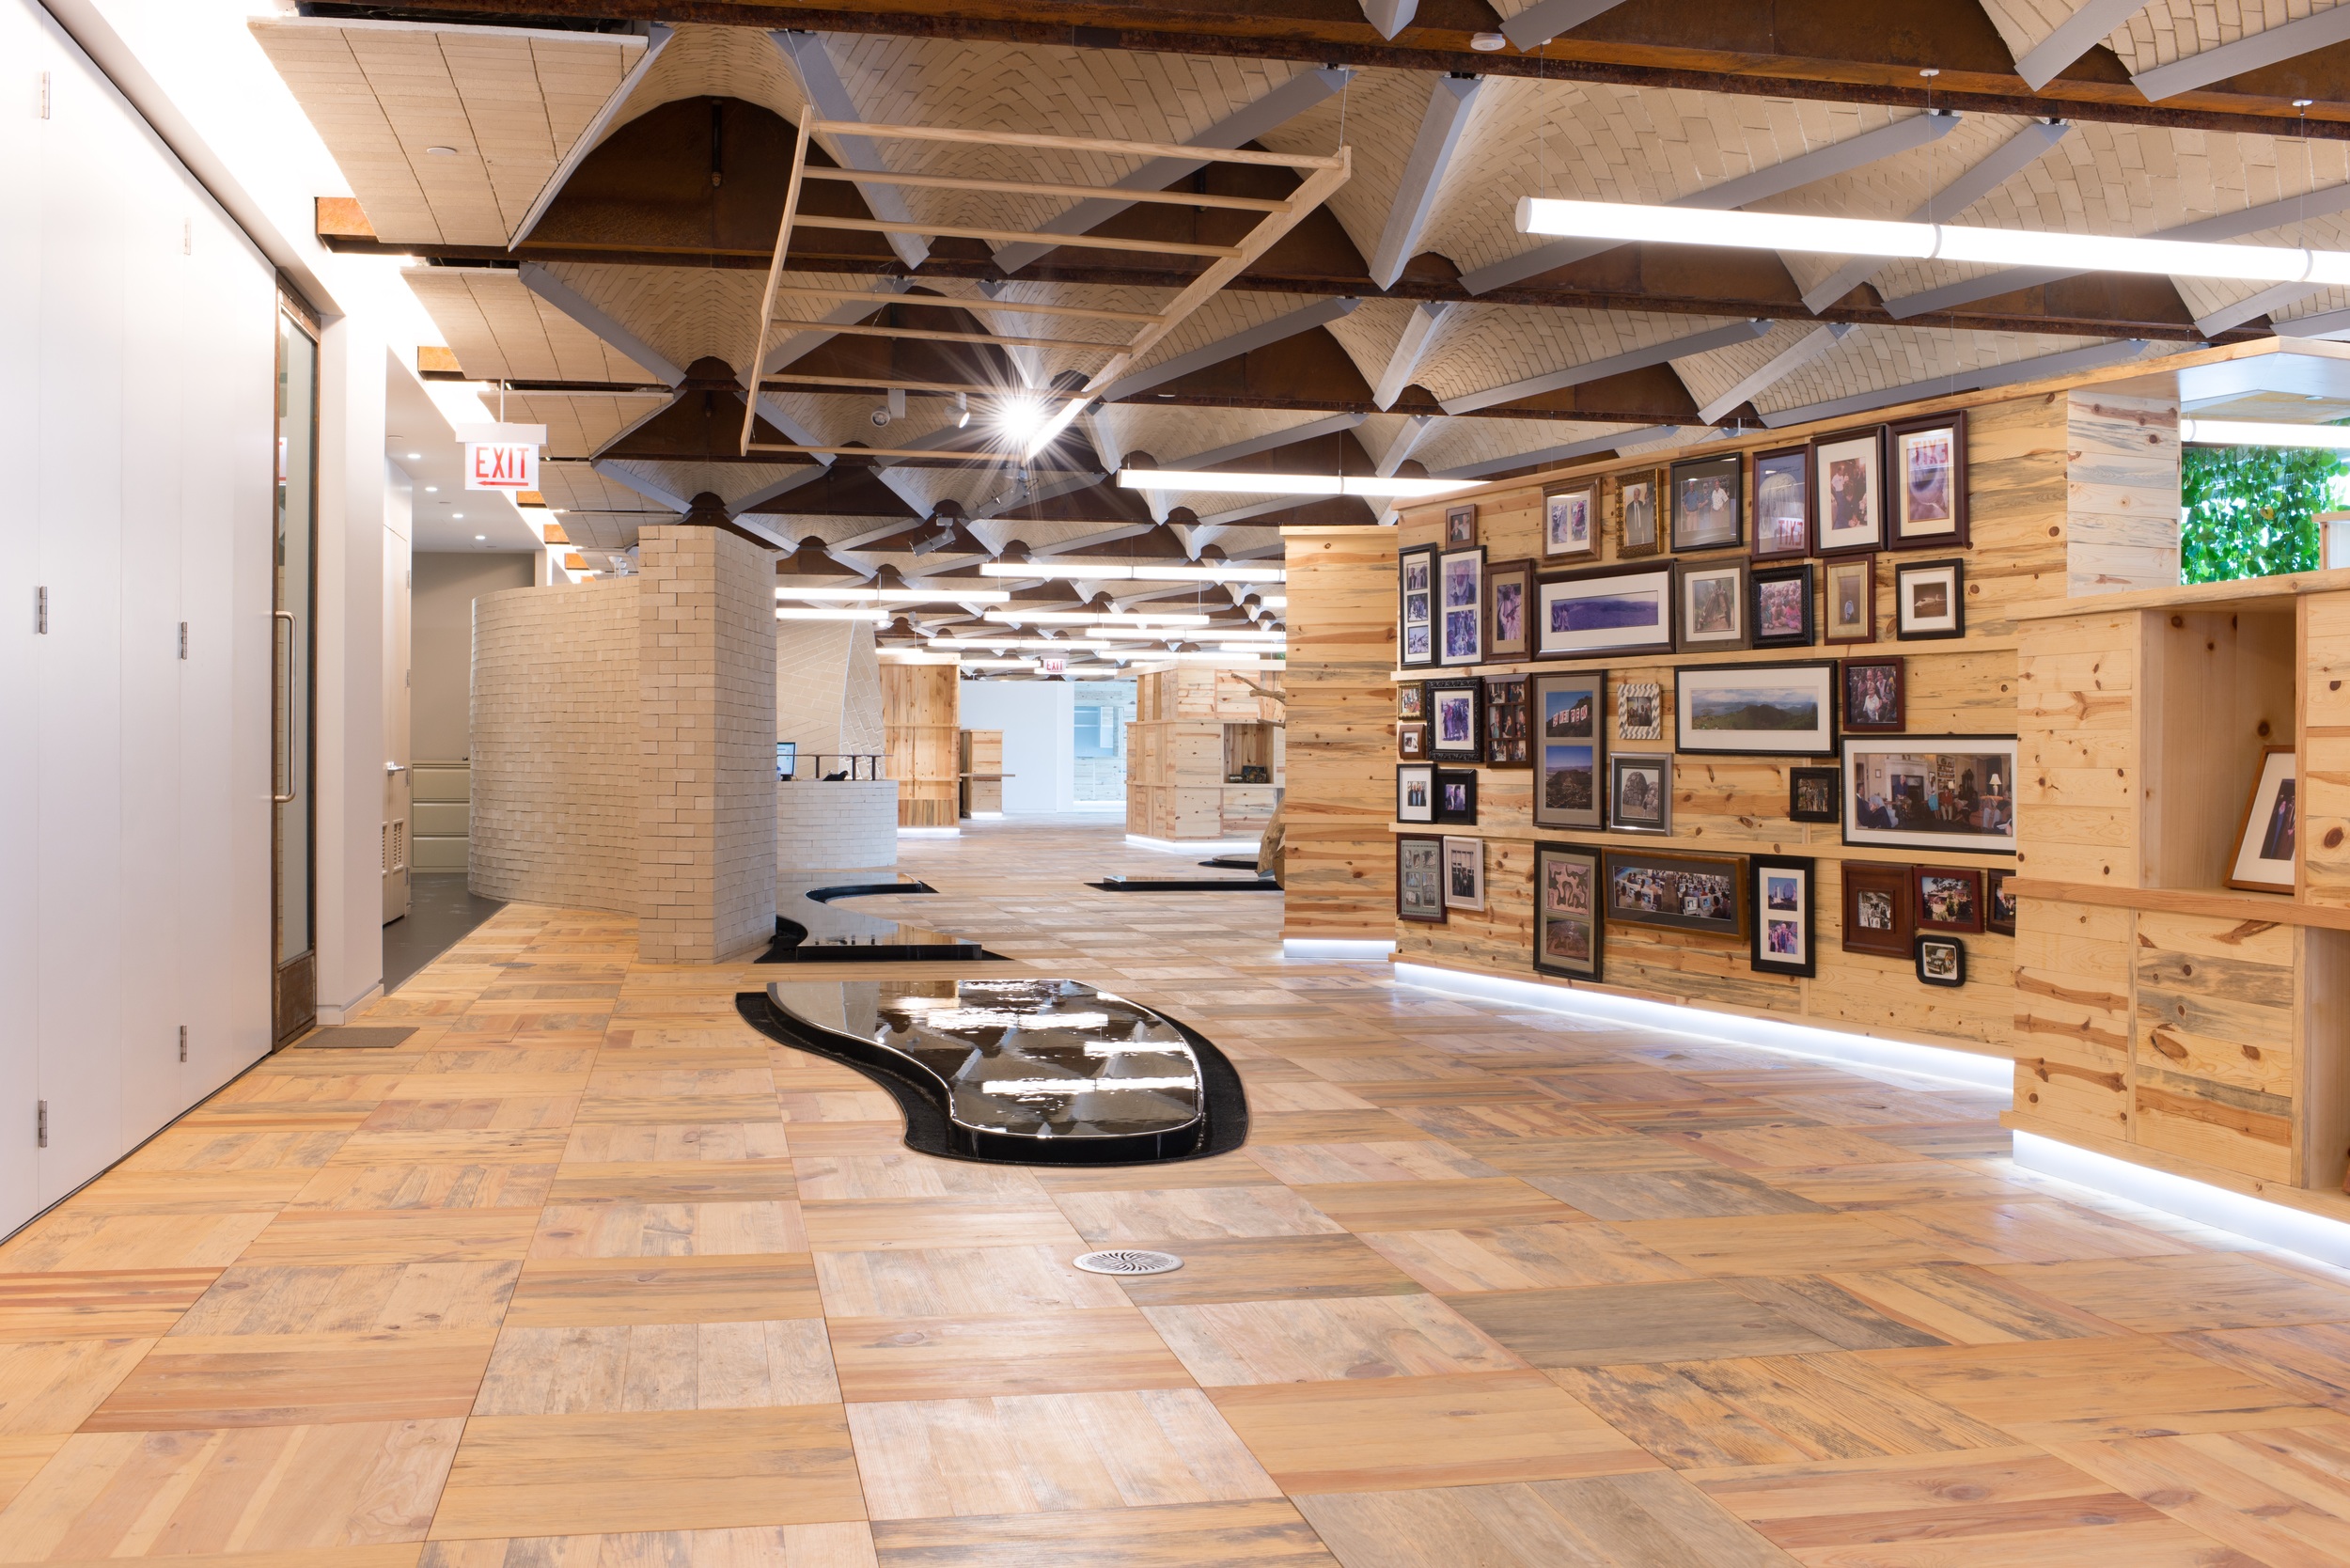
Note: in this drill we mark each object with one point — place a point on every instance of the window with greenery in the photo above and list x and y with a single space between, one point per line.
2252 510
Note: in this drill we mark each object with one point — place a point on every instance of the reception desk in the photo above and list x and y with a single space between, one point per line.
848 824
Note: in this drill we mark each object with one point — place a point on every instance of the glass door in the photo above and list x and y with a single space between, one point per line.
295 823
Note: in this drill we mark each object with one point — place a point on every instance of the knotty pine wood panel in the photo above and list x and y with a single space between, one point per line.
2212 1075
1339 859
2121 492
2324 743
920 711
2078 717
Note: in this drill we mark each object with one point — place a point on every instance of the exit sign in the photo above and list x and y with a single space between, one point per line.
502 457
1051 664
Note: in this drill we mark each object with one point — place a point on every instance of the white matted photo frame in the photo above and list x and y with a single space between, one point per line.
1709 503
1570 933
1928 600
1782 503
1609 609
1416 607
1784 929
1848 490
1464 872
2264 840
1946 793
1709 607
1460 605
1570 749
1756 710
1415 793
1570 519
1640 513
1927 489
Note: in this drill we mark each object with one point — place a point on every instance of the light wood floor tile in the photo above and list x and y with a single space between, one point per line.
708 1366
895 1359
835 1545
1317 1341
195 1192
1364 1207
1603 1324
1181 1535
1186 1214
2279 1496
1271 1268
2160 1295
102 1304
1304 1164
1672 1195
717 1143
323 1236
52 1386
73 1241
907 1174
1782 1244
2311 1361
320 1298
426 1186
1653 1519
1523 1257
668 1230
886 1223
204 1383
589 1292
657 1181
959 1281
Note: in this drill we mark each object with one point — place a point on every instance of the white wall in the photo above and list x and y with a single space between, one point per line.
1038 752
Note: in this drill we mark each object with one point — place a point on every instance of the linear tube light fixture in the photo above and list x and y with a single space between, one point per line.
1119 571
1937 242
898 596
2261 432
1368 485
1050 645
877 616
1091 617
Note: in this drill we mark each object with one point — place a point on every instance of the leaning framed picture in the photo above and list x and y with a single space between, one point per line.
1568 930
1464 872
2263 861
1641 793
1709 503
1941 961
1509 610
1609 609
1416 607
1420 877
1460 605
1782 503
1876 909
1848 490
1570 519
1709 607
1456 714
1928 600
1507 742
1947 898
1782 897
1639 508
1415 793
1570 749
1460 525
1770 709
1687 892
1877 697
1850 600
1456 797
1930 792
1813 795
1928 490
1999 900
1780 607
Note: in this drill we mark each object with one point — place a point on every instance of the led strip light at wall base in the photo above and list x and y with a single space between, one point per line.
2294 1230
1191 846
1337 948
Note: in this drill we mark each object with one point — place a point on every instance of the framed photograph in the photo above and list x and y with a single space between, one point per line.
1930 792
1571 520
1464 873
1928 600
1609 609
1709 503
1941 961
1420 878
1782 897
1508 743
1773 710
1639 502
1999 900
1876 909
1456 714
1416 607
1709 607
1411 700
1848 490
1782 503
1456 796
1411 739
1779 599
1461 607
1568 930
1812 795
1641 793
1947 898
1569 749
1509 611
1929 488
1876 699
1851 599
1460 525
1639 711
2263 861
1416 793
1688 892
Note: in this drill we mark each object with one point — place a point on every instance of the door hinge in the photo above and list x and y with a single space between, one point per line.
183 1043
40 611
44 95
41 1123
184 639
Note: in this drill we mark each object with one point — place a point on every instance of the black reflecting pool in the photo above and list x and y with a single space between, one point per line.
1029 1071
809 929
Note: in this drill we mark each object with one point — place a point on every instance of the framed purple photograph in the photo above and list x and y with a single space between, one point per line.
1782 503
1461 607
1510 611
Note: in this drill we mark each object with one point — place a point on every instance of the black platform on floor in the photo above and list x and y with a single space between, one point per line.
1186 884
816 932
1231 862
1028 1070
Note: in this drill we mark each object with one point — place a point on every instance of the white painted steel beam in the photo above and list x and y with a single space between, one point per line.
1614 364
1449 99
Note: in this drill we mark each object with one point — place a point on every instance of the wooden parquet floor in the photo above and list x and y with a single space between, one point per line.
589 1274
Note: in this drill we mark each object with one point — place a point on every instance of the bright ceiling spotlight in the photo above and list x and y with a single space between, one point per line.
479 537
414 456
1019 418
1289 484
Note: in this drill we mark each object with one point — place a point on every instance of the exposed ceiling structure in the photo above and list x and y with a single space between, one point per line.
590 190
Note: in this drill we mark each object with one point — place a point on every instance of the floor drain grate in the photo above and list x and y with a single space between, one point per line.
1124 1261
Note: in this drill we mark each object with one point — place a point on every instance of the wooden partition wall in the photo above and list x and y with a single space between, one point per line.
1339 861
1195 730
921 707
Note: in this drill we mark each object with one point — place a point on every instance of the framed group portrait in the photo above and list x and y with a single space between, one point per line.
1569 932
1930 792
1709 503
1686 891
1416 607
1509 741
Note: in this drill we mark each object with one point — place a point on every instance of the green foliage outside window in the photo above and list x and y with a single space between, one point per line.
2250 511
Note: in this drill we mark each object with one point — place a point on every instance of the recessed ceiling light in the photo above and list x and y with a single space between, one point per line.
414 456
459 516
442 151
481 536
433 490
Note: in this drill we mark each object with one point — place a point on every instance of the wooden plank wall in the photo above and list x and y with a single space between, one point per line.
920 706
1178 746
1340 856
2121 464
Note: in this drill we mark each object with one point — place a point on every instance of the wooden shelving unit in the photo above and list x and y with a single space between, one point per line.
1195 728
921 704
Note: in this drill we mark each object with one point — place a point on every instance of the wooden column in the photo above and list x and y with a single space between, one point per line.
1341 871
921 705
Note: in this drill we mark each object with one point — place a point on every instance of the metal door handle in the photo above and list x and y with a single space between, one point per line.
395 767
281 755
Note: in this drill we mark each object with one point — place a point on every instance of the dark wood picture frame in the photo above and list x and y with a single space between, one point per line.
1948 496
1865 446
1731 868
1690 735
1865 877
1859 569
1473 652
1407 846
1508 734
1411 740
1863 699
1555 887
1441 696
1759 582
1728 471
1624 490
1460 525
1774 923
1516 576
1770 471
1922 892
1904 572
1995 898
1594 520
1939 960
1650 576
1731 593
1424 556
1464 781
1823 783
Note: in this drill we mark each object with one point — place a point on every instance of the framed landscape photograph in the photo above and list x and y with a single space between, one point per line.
1929 488
1416 607
1411 739
1876 699
1851 600
1464 873
1687 892
1568 930
1782 503
1460 525
1928 600
1941 961
1571 520
1507 738
1416 793
1876 909
1639 511
1709 503
1569 749
1812 795
1456 796
1779 599
1848 490
1947 898
1641 793
1773 710
1639 711
2263 861
1709 607
1411 700
1999 900
1609 609
1781 896
1930 792
1420 877
1509 610
1456 714
1460 605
